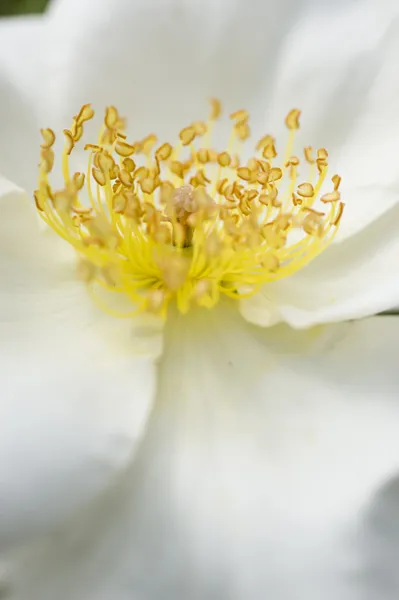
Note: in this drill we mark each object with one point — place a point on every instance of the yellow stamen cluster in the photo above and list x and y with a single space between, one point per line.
156 222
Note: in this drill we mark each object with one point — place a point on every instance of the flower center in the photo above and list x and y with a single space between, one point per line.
186 223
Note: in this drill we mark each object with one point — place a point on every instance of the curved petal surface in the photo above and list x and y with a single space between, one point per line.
261 460
24 72
23 50
162 60
339 66
75 395
354 279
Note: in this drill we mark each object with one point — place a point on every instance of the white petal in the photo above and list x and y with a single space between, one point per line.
339 67
163 59
20 138
24 54
22 50
75 395
263 455
356 278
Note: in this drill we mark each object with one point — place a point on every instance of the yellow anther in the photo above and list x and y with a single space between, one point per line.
270 198
312 223
244 173
48 138
267 140
85 114
93 147
269 151
105 162
99 176
224 159
252 194
336 179
124 149
133 209
129 164
331 196
79 180
293 161
164 152
221 185
216 109
239 116
148 143
38 200
242 130
264 166
141 173
308 152
262 178
69 142
337 219
76 131
292 119
111 117
82 210
147 185
306 190
275 174
125 178
203 155
253 164
200 128
119 202
187 135
296 201
177 168
201 178
321 160
166 191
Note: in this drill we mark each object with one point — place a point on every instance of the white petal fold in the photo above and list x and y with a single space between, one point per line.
354 279
75 395
265 464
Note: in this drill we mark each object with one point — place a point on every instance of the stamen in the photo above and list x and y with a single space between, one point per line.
186 223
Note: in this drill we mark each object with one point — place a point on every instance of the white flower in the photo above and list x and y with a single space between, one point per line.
268 457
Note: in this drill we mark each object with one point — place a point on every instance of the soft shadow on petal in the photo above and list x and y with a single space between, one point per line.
339 67
379 530
75 392
264 447
348 281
